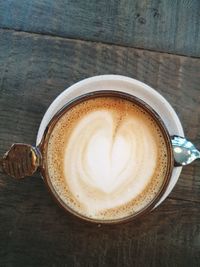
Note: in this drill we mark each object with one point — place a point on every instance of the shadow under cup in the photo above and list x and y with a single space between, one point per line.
43 148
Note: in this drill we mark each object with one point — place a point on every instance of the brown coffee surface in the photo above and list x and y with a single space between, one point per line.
107 158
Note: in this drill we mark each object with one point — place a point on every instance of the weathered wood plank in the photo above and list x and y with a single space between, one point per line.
34 69
165 25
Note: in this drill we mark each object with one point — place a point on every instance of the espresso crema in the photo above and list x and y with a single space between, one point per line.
107 158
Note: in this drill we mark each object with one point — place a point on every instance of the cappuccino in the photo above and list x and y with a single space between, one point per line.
107 158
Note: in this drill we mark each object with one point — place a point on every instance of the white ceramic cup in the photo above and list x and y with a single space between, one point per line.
126 85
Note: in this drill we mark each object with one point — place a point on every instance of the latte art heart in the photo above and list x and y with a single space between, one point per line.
109 158
104 153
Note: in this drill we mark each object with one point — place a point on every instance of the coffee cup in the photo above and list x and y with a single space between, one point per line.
105 155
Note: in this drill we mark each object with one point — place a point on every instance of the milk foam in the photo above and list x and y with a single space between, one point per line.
106 158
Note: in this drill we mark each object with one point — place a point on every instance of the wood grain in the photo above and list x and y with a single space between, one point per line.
34 69
165 25
38 233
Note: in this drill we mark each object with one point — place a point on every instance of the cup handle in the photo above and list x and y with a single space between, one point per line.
21 160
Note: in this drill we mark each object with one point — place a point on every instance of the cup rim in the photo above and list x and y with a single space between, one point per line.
103 93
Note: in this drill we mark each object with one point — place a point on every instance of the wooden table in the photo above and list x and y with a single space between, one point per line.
45 46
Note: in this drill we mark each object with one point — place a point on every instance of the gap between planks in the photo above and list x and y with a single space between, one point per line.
91 41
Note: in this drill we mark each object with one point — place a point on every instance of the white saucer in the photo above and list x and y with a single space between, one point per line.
124 84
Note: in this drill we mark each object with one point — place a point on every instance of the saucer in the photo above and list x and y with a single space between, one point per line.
127 85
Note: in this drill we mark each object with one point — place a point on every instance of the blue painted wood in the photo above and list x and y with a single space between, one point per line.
163 25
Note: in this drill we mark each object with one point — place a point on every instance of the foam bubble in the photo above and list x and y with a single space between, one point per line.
107 158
